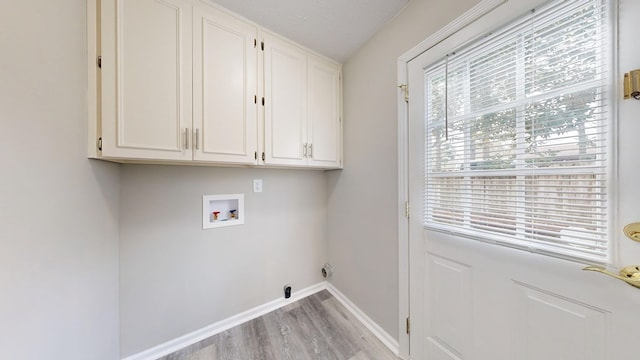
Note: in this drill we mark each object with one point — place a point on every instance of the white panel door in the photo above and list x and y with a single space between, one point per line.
325 130
475 300
285 88
225 87
146 79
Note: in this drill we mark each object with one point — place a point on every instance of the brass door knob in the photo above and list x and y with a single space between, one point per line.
629 274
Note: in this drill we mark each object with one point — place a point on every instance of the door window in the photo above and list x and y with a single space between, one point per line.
518 134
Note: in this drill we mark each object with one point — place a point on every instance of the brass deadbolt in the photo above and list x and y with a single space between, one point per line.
632 231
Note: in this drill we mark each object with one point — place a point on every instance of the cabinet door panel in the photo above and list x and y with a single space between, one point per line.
325 130
225 83
285 69
146 83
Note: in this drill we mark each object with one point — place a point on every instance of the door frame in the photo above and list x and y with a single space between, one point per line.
404 207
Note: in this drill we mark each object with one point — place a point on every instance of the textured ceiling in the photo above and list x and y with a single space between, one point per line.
334 28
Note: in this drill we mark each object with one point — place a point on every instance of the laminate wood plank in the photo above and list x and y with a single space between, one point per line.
368 342
317 327
344 342
228 345
205 353
314 343
257 342
286 342
360 356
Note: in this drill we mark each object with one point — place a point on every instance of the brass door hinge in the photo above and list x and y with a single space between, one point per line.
408 325
405 89
99 62
263 156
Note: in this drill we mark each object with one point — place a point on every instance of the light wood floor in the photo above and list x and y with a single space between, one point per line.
317 327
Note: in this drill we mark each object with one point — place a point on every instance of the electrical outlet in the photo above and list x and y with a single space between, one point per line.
257 185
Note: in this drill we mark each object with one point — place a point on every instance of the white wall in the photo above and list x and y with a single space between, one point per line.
362 199
177 278
58 210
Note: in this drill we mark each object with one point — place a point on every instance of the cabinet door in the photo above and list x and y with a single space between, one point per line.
324 124
225 86
285 82
146 79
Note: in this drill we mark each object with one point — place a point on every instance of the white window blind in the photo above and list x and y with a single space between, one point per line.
517 134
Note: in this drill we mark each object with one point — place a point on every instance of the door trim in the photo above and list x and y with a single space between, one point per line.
403 220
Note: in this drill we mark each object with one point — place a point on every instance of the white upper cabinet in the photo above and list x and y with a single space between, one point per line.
324 132
302 107
225 88
146 79
184 81
285 109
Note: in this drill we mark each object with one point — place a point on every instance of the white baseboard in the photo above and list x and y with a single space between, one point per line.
379 332
220 326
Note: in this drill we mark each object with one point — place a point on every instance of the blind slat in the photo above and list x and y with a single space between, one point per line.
526 110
